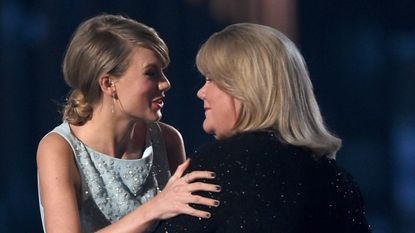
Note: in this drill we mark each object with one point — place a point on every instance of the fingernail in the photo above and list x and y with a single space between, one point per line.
218 188
216 203
207 215
212 174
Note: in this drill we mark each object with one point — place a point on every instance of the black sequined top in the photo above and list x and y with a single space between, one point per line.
268 186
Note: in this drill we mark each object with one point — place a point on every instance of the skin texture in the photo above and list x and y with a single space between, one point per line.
117 129
221 109
140 92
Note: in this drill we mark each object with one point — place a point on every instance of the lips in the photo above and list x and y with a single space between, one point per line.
159 102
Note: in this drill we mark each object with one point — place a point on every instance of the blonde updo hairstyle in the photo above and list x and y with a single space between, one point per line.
263 69
102 45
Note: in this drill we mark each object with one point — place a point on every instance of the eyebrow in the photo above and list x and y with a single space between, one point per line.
153 65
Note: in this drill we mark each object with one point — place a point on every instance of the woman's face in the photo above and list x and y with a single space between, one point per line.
140 91
221 110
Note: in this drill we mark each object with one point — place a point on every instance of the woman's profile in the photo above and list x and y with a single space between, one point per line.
273 155
103 168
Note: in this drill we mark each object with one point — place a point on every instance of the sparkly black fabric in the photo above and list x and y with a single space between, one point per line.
268 186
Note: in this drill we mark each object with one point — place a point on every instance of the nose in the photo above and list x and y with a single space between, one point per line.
201 94
164 84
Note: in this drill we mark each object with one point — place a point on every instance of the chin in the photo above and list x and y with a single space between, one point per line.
151 118
212 132
156 118
207 129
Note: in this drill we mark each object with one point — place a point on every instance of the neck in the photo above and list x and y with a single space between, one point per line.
110 135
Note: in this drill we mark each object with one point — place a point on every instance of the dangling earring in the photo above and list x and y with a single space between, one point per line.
113 93
113 103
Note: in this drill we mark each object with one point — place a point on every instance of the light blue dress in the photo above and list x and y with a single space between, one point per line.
111 187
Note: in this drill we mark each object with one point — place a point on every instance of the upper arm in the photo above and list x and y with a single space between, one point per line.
174 146
58 182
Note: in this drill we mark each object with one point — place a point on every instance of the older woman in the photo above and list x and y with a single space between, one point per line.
273 156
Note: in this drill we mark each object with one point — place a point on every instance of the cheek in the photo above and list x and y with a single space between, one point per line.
228 119
224 118
143 94
232 111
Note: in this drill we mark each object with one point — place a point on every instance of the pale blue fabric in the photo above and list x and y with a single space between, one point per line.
111 187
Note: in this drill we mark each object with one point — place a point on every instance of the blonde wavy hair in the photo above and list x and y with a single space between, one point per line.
102 45
263 69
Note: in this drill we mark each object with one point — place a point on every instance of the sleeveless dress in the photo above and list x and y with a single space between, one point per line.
112 187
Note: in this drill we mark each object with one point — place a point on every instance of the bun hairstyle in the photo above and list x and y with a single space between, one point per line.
77 110
102 45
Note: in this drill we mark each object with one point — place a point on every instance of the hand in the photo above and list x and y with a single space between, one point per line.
176 196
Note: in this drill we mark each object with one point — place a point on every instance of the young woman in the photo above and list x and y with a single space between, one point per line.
103 168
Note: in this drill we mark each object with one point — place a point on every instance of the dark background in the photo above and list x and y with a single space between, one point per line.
361 57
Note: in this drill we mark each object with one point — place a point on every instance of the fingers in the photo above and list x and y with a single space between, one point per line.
180 188
195 175
181 168
197 213
192 176
200 200
186 178
180 192
200 186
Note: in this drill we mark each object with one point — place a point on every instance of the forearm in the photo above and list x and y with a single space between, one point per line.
135 222
172 201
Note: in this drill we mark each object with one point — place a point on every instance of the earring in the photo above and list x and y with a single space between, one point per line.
113 102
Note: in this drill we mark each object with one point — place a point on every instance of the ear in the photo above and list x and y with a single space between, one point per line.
106 84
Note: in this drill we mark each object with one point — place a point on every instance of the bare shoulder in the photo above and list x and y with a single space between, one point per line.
170 134
55 157
174 145
53 146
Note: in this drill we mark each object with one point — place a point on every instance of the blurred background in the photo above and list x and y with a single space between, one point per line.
360 54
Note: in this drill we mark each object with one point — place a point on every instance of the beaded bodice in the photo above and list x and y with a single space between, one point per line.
111 187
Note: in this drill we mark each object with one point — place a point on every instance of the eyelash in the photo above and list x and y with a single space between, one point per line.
151 74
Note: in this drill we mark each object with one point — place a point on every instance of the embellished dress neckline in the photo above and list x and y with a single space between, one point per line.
148 149
113 187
